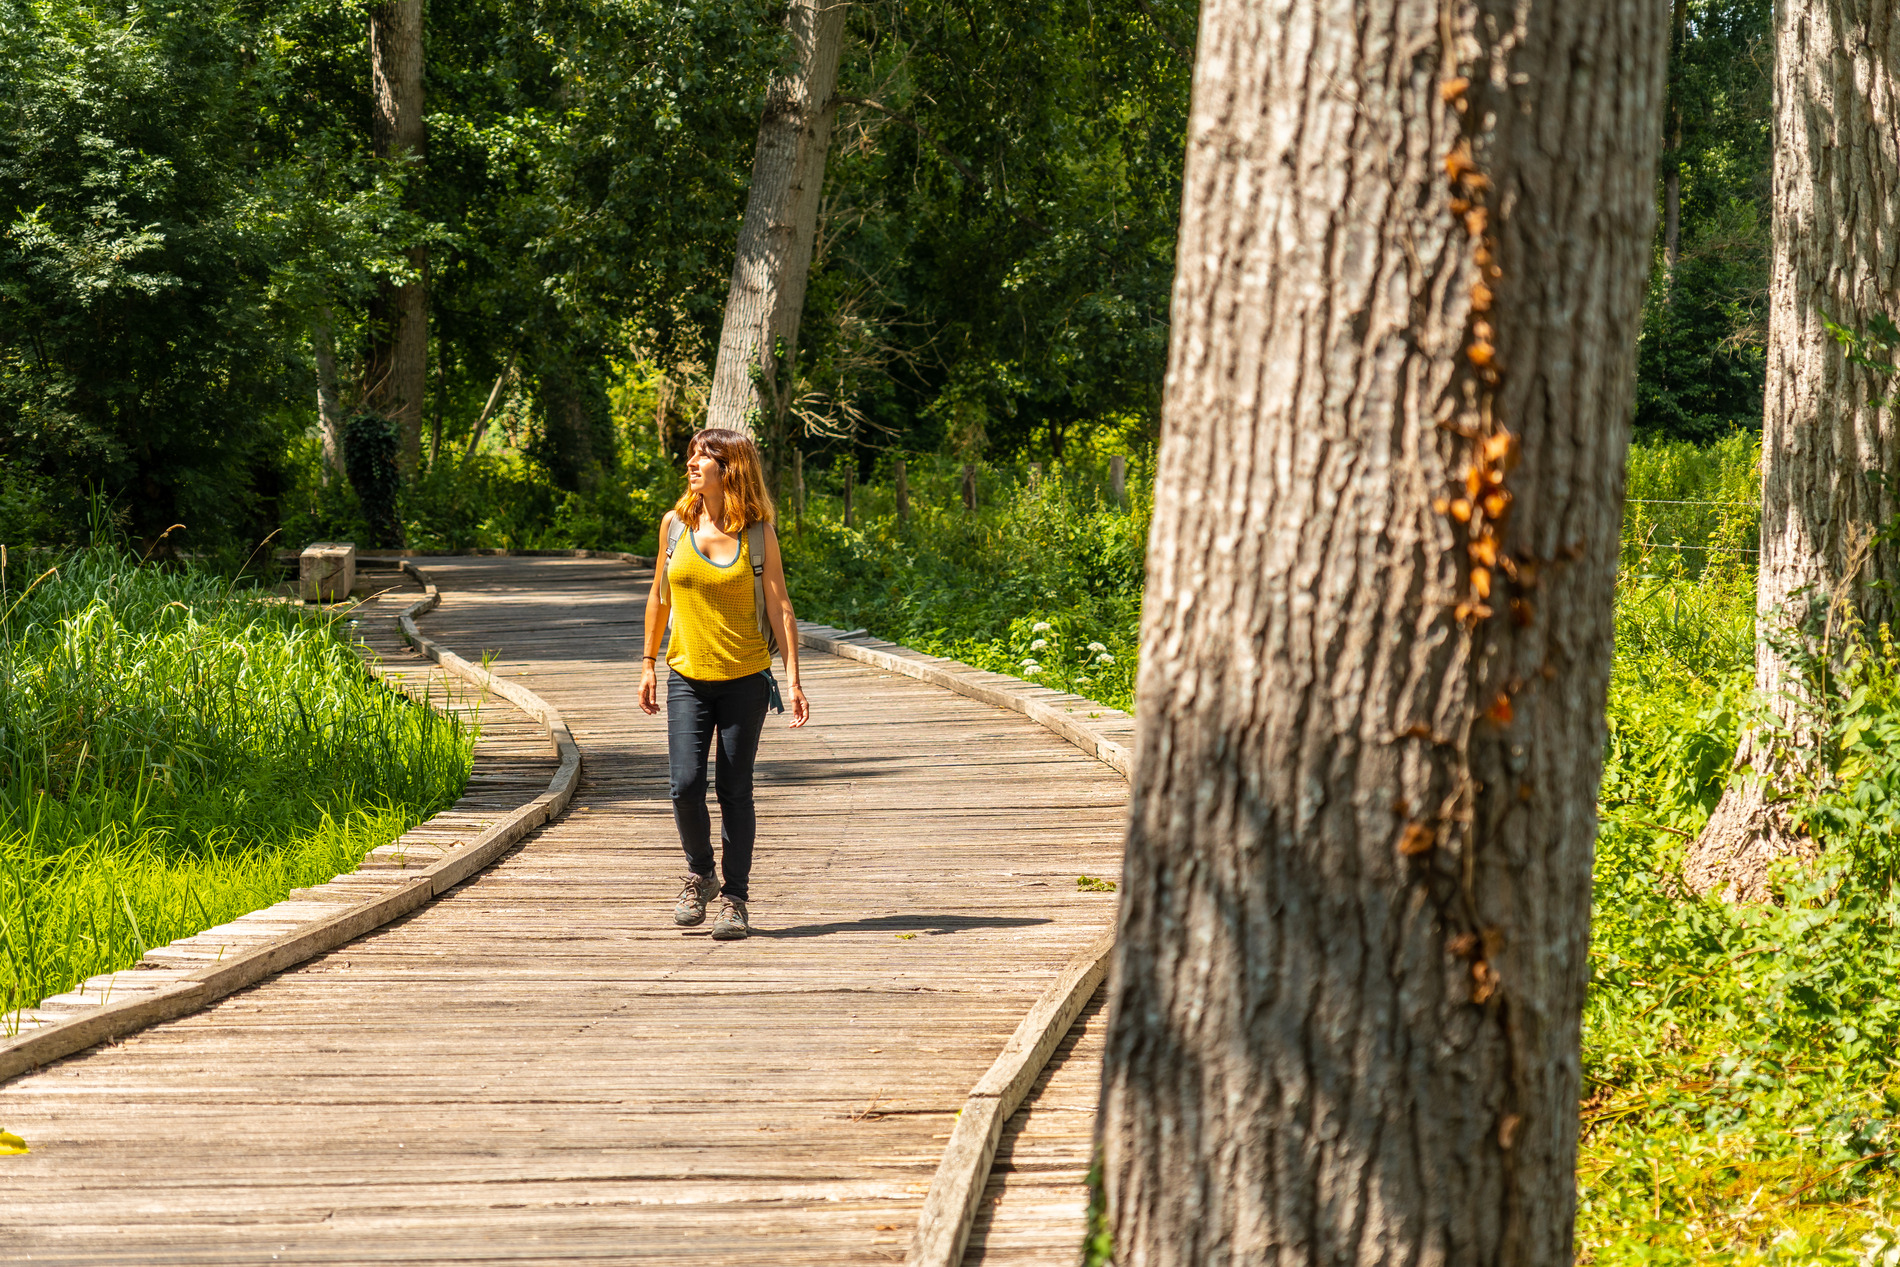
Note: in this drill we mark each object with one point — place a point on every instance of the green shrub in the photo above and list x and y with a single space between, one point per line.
370 449
1043 581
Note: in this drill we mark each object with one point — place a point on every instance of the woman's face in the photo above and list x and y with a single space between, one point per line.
703 474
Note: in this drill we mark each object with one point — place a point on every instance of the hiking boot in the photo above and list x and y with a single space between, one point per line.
730 924
697 890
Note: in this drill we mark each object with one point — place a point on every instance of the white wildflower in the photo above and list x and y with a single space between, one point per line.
1097 648
1030 670
1104 658
1038 644
1041 626
1031 663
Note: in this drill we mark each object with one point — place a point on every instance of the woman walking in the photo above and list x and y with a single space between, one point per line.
720 660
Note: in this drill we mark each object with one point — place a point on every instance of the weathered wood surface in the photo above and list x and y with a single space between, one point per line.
1035 1206
540 1068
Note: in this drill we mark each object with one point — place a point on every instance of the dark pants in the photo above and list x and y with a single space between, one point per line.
735 712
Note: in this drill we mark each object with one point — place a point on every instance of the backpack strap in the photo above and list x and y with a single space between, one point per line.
673 535
755 546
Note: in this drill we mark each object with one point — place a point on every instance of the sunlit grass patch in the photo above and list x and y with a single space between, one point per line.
174 753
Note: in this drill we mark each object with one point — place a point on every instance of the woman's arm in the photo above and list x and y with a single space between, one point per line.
778 606
657 610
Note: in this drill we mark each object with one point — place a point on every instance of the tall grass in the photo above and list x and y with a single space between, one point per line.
174 753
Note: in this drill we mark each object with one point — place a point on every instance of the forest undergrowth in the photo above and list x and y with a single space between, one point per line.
175 752
1042 582
1742 1084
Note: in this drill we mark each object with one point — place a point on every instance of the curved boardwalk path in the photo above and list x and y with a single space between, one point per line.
539 1068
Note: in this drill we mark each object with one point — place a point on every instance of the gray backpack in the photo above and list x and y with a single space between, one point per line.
755 547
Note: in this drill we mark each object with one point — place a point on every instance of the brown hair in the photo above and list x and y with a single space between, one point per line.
747 502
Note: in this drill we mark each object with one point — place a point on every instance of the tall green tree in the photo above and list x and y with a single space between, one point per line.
1702 358
998 238
139 353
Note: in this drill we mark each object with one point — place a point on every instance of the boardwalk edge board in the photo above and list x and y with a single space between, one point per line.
194 990
1105 733
950 1207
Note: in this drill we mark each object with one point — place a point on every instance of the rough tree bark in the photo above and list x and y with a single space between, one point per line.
396 369
1377 632
775 239
1836 257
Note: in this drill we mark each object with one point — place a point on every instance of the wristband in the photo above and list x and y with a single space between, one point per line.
653 658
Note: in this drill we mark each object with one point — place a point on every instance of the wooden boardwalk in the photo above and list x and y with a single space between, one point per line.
540 1068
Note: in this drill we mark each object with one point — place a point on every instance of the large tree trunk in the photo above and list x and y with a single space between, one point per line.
1836 183
760 338
1375 644
397 366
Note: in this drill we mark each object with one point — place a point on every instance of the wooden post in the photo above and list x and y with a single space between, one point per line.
903 494
850 482
1118 478
798 491
1035 473
326 572
969 486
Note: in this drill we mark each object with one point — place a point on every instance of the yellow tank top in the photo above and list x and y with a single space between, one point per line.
716 634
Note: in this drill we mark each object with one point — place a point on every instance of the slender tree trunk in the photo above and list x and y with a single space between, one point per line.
1376 641
398 362
1836 183
663 398
577 440
329 403
1672 163
798 490
1672 212
480 428
760 337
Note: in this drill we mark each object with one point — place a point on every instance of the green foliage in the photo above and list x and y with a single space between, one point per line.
502 500
370 449
1742 1089
1042 582
1692 509
1000 224
137 351
174 753
1701 354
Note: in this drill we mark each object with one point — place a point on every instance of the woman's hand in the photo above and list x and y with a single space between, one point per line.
649 689
801 707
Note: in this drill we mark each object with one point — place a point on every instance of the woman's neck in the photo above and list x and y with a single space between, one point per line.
714 506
